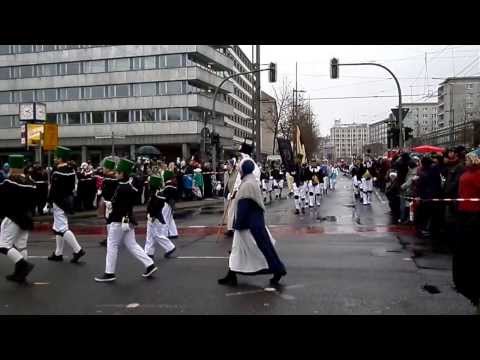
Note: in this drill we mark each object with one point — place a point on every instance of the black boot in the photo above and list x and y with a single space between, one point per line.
276 278
230 279
22 269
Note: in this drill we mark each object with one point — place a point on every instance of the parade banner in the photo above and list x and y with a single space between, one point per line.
285 150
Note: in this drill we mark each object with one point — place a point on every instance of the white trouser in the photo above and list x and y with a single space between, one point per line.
14 239
60 220
60 226
117 237
367 197
157 233
333 182
299 195
314 192
168 217
326 182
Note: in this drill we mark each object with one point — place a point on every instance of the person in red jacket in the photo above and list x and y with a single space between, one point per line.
466 252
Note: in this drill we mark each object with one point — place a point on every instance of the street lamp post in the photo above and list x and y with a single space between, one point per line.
400 113
214 113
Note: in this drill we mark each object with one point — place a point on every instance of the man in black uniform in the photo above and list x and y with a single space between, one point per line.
122 222
60 199
17 194
157 228
109 186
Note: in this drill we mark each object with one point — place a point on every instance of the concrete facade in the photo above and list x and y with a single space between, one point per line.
458 101
348 139
421 117
268 108
158 95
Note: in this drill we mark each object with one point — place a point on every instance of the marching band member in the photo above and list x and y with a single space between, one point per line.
60 198
109 186
122 221
18 192
314 184
157 211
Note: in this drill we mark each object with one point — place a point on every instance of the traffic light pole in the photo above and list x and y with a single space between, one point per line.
400 112
214 113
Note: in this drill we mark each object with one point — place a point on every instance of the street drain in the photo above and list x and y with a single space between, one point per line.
431 289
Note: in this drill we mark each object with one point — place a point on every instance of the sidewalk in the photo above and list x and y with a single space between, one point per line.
183 205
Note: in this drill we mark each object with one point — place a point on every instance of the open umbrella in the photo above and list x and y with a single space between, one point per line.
148 150
425 149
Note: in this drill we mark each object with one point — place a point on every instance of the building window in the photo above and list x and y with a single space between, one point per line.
174 61
98 117
5 97
25 48
4 49
145 89
119 64
468 86
469 105
122 116
174 114
122 90
73 93
174 87
46 95
51 118
73 118
148 115
91 67
48 47
4 73
47 70
26 71
5 121
149 62
25 96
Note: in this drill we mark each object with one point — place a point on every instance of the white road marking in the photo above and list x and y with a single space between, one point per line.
197 226
132 305
201 257
37 257
245 292
41 283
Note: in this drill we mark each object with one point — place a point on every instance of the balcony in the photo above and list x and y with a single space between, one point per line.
208 55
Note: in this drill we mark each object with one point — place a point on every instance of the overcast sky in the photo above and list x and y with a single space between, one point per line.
406 61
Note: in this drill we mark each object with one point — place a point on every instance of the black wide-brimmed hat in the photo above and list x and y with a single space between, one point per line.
246 149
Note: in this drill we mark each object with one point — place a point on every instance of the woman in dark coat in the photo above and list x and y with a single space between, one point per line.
253 250
466 263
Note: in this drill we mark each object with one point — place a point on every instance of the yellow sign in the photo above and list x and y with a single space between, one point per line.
34 134
50 137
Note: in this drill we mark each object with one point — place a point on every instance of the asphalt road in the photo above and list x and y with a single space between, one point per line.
345 259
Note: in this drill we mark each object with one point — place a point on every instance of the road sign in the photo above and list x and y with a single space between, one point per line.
34 134
404 112
50 137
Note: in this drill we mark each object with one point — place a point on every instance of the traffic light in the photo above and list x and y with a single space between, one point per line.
272 74
334 68
393 137
408 133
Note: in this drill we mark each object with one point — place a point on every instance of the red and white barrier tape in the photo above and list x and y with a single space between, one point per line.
441 200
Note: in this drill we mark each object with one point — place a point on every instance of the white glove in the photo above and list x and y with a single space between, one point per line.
99 192
46 209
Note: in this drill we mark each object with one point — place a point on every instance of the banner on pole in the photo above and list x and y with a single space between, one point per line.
285 150
50 137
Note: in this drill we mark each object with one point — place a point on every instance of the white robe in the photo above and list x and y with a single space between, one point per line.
246 257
